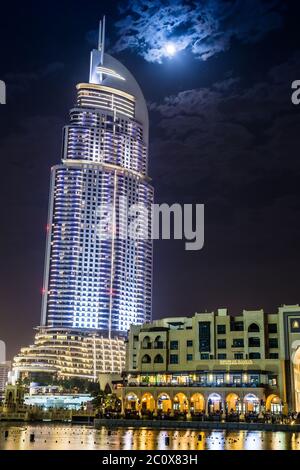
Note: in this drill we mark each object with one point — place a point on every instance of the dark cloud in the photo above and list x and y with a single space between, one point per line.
205 27
235 146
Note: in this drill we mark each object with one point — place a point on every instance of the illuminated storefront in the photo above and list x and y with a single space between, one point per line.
247 364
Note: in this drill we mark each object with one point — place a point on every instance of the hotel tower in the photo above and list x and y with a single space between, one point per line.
97 279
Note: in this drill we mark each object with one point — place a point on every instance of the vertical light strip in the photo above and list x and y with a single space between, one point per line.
95 358
112 255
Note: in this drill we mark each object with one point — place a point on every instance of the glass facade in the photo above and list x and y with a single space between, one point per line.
93 281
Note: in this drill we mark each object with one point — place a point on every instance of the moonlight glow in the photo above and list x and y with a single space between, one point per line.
170 49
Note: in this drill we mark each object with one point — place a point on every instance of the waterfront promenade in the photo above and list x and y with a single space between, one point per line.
201 425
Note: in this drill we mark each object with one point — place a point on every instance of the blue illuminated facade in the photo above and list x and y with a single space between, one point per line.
90 282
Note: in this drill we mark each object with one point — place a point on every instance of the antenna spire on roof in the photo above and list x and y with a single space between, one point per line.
101 40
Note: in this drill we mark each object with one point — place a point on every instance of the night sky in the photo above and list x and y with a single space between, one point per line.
223 132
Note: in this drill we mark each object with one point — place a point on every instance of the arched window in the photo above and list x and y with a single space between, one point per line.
158 343
146 344
158 359
146 359
253 328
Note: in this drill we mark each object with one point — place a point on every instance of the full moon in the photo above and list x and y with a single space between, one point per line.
170 48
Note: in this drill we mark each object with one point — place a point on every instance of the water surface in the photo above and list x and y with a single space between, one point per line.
70 437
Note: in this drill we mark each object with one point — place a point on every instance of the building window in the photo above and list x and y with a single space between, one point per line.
146 359
158 343
254 355
272 380
238 343
253 328
173 358
204 356
237 326
295 325
189 343
204 336
219 379
238 356
272 327
273 356
158 359
222 356
221 343
174 345
237 379
135 338
221 329
146 344
254 379
189 357
273 343
254 342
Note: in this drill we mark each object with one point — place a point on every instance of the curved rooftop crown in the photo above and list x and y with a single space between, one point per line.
108 71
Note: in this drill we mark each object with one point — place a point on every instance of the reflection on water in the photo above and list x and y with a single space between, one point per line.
70 437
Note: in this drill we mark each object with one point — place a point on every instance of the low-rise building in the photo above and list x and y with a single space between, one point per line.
215 362
69 401
70 353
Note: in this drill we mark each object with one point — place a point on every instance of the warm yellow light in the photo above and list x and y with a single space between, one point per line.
92 86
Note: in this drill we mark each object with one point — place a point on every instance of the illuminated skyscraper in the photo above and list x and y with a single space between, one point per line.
90 282
94 284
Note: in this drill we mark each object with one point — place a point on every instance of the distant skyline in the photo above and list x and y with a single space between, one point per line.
223 132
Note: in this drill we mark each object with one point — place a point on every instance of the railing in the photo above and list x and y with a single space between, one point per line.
23 413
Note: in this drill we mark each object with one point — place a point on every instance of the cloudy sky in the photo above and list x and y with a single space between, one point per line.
223 132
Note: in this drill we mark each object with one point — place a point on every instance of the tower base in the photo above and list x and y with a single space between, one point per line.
67 353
